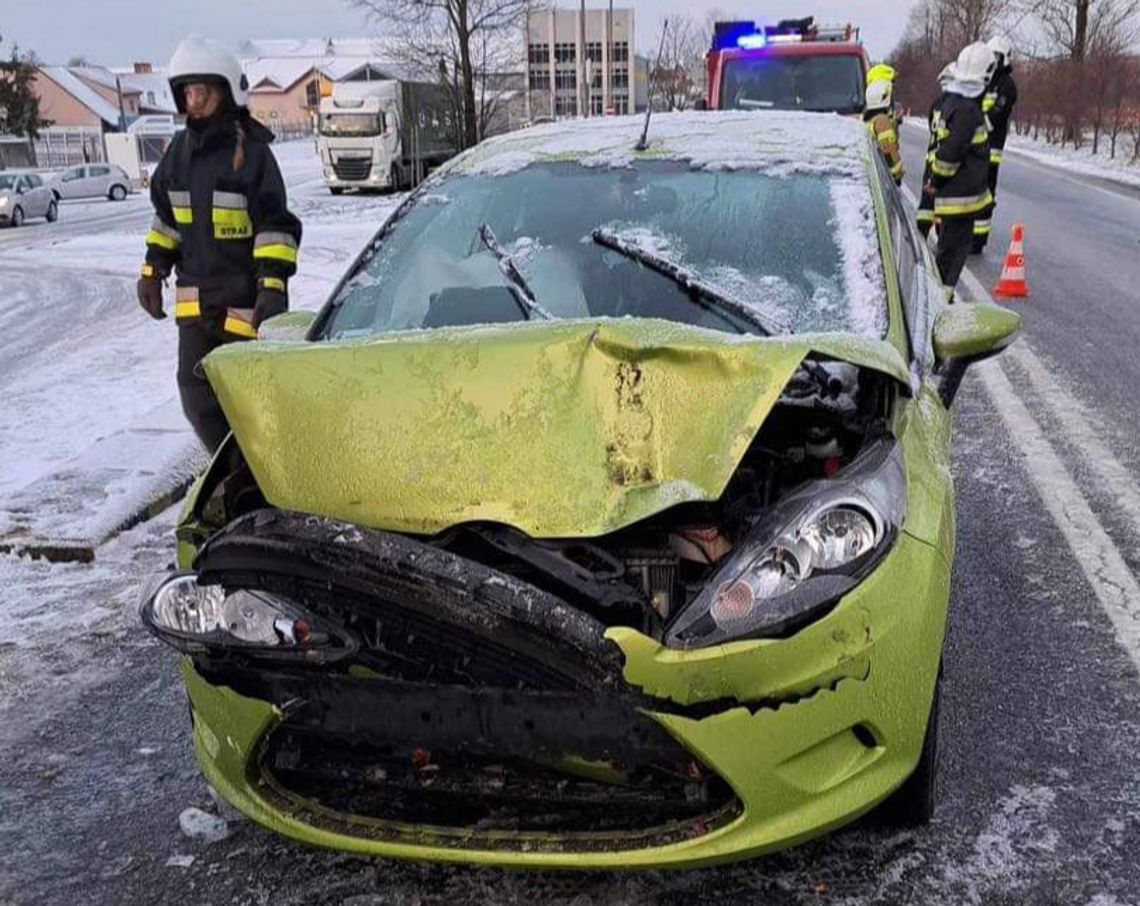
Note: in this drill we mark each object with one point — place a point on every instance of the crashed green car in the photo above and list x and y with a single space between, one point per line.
602 518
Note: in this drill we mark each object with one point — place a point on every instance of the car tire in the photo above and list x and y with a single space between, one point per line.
117 193
52 214
912 804
56 193
17 216
336 190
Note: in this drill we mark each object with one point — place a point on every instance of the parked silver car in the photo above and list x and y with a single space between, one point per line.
24 195
92 181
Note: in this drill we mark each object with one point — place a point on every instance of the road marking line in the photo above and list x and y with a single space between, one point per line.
1068 411
1094 551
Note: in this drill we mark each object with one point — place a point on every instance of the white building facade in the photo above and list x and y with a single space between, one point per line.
577 66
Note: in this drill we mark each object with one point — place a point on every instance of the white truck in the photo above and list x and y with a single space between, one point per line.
385 134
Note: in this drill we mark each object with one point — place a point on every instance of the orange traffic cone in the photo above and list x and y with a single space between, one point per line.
1012 283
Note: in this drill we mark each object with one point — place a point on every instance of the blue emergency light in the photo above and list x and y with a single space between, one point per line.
752 42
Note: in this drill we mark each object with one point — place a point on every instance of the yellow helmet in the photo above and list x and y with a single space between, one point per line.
881 72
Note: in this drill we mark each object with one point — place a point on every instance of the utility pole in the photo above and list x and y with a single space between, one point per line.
583 88
119 94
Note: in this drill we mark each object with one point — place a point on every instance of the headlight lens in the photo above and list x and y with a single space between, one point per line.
196 618
813 547
3 202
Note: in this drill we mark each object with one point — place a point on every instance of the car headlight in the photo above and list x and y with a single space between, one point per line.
3 202
197 618
813 547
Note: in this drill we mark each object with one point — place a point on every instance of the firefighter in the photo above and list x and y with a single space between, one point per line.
959 180
877 116
997 105
885 72
925 215
221 224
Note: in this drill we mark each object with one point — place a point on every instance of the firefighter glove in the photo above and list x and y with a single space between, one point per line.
269 302
150 296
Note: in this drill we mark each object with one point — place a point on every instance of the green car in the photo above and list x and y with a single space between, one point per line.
602 518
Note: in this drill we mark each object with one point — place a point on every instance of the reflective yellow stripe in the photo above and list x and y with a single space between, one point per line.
239 327
981 227
232 223
968 205
147 270
941 168
273 283
995 157
989 102
156 238
925 215
888 135
981 136
187 310
183 216
277 253
897 169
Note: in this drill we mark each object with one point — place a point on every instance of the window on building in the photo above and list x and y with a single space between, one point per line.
594 51
564 106
313 94
565 52
596 106
621 104
621 52
596 77
538 54
566 79
540 80
621 78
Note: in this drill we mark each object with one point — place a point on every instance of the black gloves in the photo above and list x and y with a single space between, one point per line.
269 302
150 296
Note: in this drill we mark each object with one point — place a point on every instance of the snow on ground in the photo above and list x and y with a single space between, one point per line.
82 364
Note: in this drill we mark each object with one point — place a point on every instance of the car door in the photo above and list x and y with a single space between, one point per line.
42 194
71 182
98 181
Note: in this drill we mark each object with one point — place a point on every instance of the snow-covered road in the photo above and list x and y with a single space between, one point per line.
82 364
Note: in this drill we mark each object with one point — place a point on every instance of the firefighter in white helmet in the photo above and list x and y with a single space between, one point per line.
997 105
881 125
933 119
959 181
221 224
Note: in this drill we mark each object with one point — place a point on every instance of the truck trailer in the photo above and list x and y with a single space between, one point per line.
387 134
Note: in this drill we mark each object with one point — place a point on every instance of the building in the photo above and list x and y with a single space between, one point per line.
155 97
81 103
580 66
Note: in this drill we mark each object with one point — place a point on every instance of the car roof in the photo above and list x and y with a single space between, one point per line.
779 142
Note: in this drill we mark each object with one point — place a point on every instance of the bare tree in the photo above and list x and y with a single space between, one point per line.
676 73
458 39
1076 27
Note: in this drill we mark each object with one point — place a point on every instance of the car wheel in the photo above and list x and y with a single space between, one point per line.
55 192
17 217
118 193
52 212
912 804
336 190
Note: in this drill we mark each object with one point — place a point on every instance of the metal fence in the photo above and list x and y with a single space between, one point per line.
64 146
288 131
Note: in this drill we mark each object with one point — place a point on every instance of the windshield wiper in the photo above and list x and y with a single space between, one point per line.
768 324
511 272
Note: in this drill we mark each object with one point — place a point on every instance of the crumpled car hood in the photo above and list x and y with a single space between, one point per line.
560 429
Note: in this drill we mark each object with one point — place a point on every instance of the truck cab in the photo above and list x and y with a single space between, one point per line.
793 65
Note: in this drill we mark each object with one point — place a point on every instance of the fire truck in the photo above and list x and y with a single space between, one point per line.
792 65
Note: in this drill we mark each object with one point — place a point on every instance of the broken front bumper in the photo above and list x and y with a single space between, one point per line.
791 738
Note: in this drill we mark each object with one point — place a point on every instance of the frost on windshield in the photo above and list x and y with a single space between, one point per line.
854 224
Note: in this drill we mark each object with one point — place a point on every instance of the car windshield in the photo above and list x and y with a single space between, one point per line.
7 182
774 82
798 250
351 123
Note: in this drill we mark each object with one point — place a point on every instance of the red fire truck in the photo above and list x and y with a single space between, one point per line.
792 65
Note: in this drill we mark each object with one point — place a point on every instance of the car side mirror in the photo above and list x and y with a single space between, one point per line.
289 327
968 333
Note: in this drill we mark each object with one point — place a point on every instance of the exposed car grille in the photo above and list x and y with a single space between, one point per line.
354 168
482 802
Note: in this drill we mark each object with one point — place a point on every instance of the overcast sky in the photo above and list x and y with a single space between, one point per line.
119 32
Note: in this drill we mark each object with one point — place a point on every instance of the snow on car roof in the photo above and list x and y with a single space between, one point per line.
776 142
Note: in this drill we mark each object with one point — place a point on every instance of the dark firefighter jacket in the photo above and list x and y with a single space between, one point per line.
961 167
226 233
997 105
882 128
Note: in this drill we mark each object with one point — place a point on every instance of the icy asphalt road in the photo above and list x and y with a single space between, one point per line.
1040 782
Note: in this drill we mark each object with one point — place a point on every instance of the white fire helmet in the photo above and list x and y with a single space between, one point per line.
879 96
199 59
947 74
976 63
1001 49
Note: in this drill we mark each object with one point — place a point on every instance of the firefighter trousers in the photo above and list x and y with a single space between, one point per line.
984 223
201 407
955 235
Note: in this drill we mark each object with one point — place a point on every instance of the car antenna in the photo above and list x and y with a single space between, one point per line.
643 142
